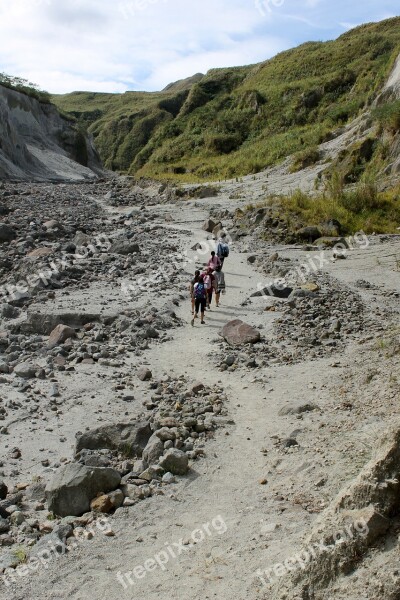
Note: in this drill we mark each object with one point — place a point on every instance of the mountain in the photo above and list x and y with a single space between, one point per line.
237 121
38 144
183 84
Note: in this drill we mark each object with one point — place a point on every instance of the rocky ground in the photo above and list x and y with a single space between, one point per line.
197 463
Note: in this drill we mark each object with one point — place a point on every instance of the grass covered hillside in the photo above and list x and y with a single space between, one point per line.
236 121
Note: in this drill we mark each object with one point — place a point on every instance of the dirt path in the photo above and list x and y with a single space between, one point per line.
244 523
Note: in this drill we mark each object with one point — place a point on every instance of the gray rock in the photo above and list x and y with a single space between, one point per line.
238 333
175 461
9 560
4 525
129 438
36 491
289 443
153 450
152 472
7 233
197 387
10 312
124 247
74 486
4 367
209 225
59 335
144 374
25 370
53 542
3 490
275 290
116 498
309 234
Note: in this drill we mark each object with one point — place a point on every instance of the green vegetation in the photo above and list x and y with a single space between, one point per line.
25 87
21 554
362 208
237 121
388 116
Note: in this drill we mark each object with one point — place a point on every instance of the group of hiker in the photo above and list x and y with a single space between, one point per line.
209 282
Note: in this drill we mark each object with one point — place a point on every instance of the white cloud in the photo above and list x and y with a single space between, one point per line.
144 44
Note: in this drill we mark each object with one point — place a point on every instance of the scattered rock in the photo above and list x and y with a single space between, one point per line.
238 333
144 374
129 438
59 335
175 461
74 486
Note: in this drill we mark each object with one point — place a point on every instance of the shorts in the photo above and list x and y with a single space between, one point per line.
200 302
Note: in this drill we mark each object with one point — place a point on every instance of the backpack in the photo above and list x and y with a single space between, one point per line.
200 291
207 282
224 250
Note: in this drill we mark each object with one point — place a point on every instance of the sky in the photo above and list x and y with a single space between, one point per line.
120 45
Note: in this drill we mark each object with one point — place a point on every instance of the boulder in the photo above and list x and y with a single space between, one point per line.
3 490
116 498
10 312
309 234
4 525
124 247
238 333
217 229
153 450
129 438
44 323
7 233
59 335
175 461
25 370
275 290
53 542
209 225
74 486
18 298
144 374
152 472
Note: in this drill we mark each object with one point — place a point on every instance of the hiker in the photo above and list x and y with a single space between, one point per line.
199 292
219 284
214 261
209 284
222 249
191 288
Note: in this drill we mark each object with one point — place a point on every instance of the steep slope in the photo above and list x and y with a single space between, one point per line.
37 143
238 121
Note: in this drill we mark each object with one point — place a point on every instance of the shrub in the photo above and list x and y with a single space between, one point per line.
388 116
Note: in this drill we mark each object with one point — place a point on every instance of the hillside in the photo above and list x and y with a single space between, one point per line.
237 121
38 144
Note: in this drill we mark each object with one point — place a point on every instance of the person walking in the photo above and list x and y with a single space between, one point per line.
220 285
199 291
214 261
191 289
209 283
222 249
